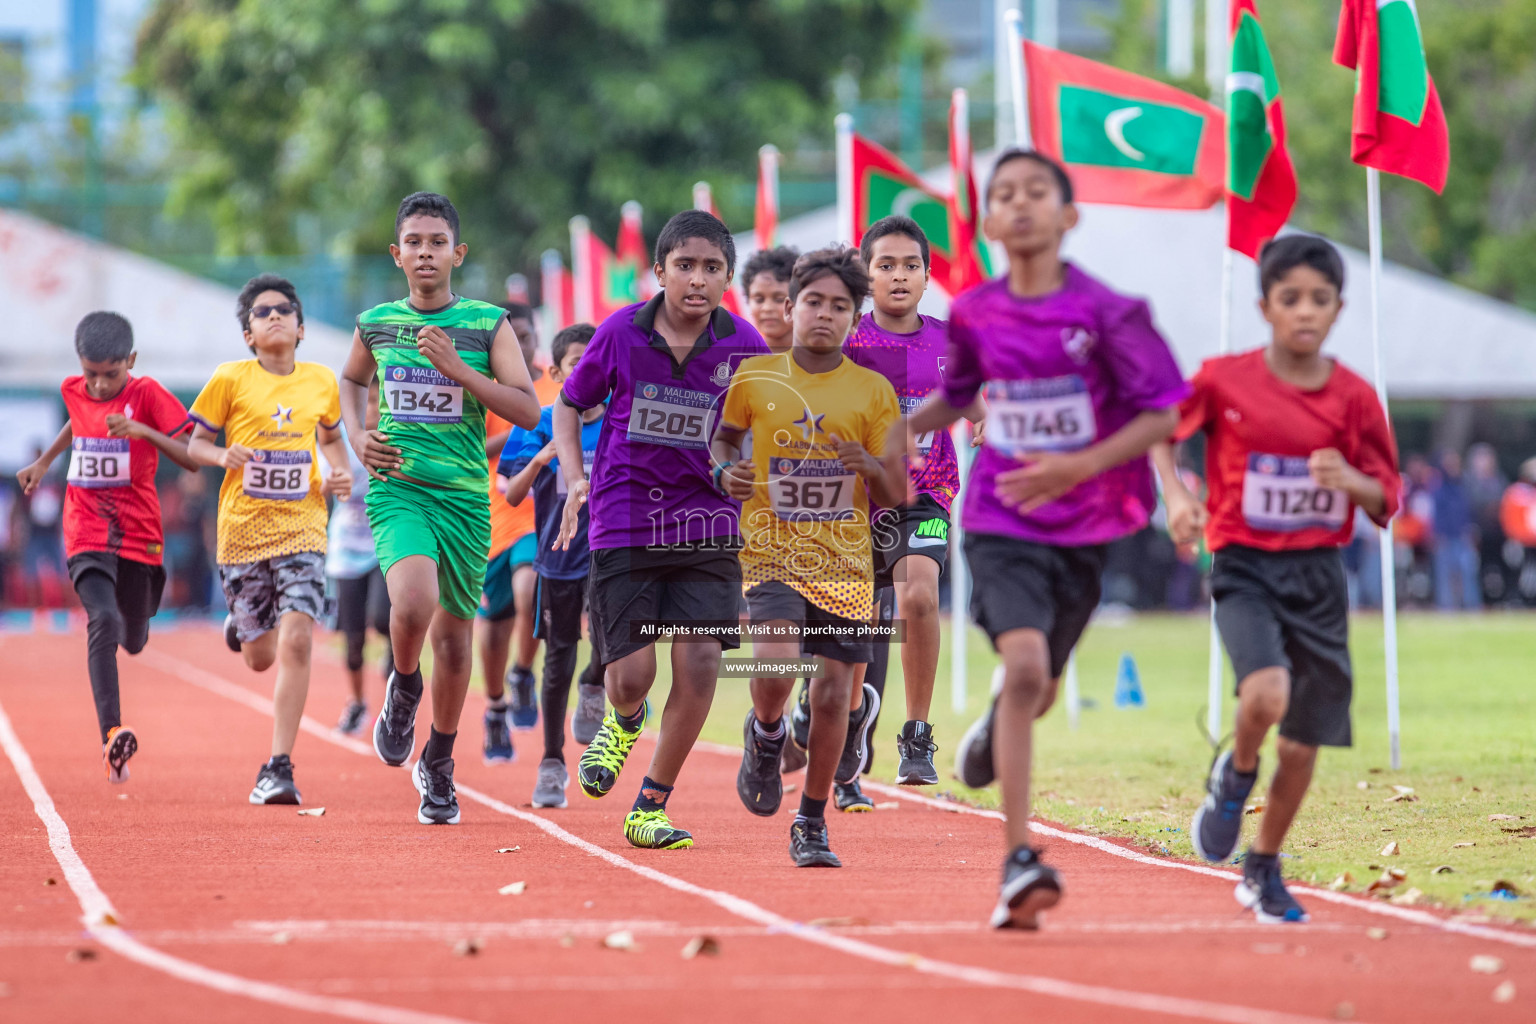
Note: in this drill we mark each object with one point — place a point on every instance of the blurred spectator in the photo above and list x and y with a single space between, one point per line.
42 559
1362 563
9 534
1485 489
1517 517
1411 532
187 507
1454 533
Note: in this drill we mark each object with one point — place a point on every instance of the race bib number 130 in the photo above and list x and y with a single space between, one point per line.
419 394
277 476
677 417
1280 495
99 462
1054 415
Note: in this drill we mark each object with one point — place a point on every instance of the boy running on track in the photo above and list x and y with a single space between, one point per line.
529 464
113 539
1079 385
1295 442
820 422
505 617
663 538
767 275
443 361
272 516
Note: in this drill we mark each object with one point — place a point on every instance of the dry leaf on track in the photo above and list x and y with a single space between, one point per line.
1506 817
1505 993
889 805
1443 869
1376 933
1343 882
701 945
1484 964
837 922
1407 898
1461 846
281 938
1390 850
76 956
312 812
468 947
509 849
624 940
515 889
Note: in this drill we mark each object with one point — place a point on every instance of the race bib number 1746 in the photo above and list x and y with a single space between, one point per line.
1054 415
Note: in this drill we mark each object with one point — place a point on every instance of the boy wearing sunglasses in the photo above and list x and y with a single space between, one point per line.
272 517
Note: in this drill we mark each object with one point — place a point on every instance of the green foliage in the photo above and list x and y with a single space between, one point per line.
525 112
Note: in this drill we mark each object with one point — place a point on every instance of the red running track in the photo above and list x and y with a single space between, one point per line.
192 905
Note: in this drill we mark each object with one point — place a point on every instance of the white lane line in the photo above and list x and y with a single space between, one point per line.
1406 914
1144 1002
100 920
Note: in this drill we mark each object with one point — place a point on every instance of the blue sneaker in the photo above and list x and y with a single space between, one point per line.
1263 891
524 698
1218 823
498 737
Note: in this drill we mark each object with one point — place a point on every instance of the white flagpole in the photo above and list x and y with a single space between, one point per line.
1216 74
959 583
1388 554
845 230
581 269
1015 19
703 199
1002 82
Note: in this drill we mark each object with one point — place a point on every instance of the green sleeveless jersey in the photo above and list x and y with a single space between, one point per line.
434 421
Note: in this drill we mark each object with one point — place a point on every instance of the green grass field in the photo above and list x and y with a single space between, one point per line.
1469 751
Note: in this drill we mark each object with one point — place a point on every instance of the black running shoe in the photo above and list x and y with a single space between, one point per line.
916 747
231 638
856 747
439 801
850 797
591 706
973 758
1263 891
352 718
525 698
394 731
498 737
757 781
793 759
1218 823
808 844
800 717
1029 887
274 783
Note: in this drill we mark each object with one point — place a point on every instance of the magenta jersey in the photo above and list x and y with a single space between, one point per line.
914 364
1060 372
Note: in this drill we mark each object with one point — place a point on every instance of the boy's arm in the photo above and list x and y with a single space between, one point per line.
1187 515
205 452
521 482
739 475
372 446
509 395
1046 476
565 424
31 476
334 447
174 448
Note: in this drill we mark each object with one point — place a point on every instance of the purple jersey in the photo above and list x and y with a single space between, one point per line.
652 482
914 364
1059 372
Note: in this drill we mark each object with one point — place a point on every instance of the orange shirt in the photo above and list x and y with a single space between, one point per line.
509 523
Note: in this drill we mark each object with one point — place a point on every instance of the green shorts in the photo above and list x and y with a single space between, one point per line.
453 528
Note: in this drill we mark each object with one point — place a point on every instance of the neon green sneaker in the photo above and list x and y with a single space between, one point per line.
603 759
652 830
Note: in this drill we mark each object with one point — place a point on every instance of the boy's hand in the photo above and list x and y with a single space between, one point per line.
738 479
1042 479
570 521
854 456
978 433
1330 469
235 456
902 441
339 483
376 455
30 476
434 343
1187 516
119 425
546 454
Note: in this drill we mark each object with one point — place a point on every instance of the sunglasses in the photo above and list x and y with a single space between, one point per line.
281 309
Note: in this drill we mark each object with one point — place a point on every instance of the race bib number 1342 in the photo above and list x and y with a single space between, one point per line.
419 394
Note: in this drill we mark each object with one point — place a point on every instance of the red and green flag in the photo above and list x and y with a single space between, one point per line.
974 263
1125 139
765 219
883 185
602 283
704 199
1399 126
557 292
632 253
1261 183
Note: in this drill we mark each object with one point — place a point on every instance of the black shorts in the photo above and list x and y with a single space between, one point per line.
557 606
362 602
1290 610
631 591
139 584
1021 584
919 529
773 601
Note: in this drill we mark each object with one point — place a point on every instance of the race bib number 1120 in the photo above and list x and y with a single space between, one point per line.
1279 494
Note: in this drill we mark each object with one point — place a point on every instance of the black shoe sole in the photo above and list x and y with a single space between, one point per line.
410 740
924 774
1024 910
758 806
421 816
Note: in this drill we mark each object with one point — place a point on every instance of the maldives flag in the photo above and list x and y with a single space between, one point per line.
765 224
632 252
704 199
602 283
973 264
1125 139
1261 184
883 185
558 293
1399 125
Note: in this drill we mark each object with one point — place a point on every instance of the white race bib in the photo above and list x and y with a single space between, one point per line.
910 405
1054 415
99 462
419 394
277 476
811 489
1280 495
561 490
673 416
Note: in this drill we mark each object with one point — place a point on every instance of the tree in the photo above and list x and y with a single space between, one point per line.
287 114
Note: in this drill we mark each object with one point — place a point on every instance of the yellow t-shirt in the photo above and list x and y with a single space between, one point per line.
272 506
807 522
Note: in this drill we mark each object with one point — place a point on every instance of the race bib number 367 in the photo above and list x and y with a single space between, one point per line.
419 394
99 462
662 414
1279 494
811 489
1054 415
277 476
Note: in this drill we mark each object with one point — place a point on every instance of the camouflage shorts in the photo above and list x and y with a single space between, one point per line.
260 593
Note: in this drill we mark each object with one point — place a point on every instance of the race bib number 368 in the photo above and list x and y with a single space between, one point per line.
1279 494
99 462
277 476
1054 415
678 417
811 489
419 394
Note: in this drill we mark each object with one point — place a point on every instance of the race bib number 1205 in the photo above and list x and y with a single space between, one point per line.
1054 415
1280 495
277 476
419 394
663 414
99 462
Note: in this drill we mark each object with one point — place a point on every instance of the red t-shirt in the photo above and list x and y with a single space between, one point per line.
110 504
1259 433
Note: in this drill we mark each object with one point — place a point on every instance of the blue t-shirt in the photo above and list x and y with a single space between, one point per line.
549 494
